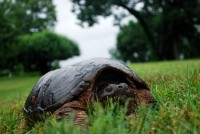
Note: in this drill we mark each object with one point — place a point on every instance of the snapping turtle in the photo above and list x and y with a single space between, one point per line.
73 88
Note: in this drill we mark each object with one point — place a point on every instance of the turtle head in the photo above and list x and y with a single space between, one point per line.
115 85
121 92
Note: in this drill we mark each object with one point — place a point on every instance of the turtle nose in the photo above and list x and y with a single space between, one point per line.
123 87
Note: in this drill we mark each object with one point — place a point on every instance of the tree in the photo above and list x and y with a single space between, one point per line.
89 10
176 30
40 50
171 26
132 44
18 17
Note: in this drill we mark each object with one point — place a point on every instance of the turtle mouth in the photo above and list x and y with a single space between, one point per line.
122 99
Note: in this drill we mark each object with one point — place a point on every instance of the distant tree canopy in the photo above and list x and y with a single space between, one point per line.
175 25
38 52
170 28
131 44
18 17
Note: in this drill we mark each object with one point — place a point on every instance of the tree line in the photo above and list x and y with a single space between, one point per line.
163 30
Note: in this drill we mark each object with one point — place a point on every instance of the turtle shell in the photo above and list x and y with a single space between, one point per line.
60 86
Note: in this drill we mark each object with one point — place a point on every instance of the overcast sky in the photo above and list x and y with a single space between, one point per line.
93 42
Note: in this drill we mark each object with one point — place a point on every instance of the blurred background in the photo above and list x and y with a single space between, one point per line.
38 36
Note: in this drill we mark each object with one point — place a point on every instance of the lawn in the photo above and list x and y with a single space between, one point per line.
15 87
175 85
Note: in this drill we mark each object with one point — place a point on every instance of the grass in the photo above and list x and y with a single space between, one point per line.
16 86
175 84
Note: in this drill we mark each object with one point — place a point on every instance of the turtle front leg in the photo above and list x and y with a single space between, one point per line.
145 97
74 107
78 107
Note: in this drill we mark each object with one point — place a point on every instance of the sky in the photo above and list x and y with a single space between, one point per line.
93 41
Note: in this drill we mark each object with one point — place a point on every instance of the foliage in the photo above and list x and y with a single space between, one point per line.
39 51
175 85
176 27
20 17
89 11
174 40
132 44
171 27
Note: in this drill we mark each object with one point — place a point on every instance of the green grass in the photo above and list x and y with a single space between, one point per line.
16 86
175 84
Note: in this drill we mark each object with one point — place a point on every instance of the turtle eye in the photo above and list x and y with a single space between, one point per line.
128 90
